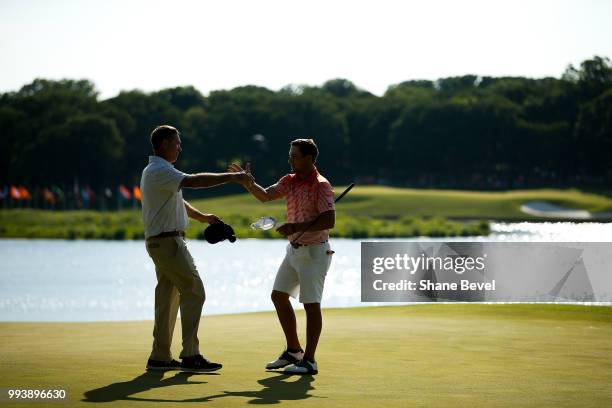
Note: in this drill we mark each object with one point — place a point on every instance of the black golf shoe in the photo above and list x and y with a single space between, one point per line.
199 364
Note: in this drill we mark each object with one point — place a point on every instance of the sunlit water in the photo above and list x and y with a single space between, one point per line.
56 280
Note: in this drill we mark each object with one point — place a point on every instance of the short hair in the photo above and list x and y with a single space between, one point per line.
161 133
307 147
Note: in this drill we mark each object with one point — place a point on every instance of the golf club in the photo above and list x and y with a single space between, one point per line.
345 192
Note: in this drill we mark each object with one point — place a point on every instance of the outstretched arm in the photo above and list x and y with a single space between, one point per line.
203 180
252 187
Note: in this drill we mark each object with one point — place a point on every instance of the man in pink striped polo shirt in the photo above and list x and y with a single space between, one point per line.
309 195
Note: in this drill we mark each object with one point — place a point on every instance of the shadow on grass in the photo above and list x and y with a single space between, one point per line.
275 389
144 382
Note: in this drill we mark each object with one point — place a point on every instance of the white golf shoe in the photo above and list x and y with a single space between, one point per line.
302 367
285 359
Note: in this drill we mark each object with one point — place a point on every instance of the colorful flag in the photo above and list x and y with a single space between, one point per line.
59 194
125 193
92 194
24 193
48 196
15 194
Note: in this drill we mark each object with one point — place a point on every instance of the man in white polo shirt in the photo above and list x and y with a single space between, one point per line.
165 216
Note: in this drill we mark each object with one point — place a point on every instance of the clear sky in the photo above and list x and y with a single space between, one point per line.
151 45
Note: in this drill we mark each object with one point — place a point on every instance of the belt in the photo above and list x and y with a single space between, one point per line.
169 234
296 245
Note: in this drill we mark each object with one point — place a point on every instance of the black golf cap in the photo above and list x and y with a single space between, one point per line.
218 232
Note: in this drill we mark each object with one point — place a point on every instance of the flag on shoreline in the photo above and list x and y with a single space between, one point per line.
24 193
125 193
15 195
48 196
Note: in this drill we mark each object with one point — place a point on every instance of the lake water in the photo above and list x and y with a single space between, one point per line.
57 280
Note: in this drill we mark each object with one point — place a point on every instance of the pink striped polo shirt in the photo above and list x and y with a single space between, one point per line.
305 200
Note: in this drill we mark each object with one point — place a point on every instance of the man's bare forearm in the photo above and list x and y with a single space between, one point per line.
258 192
204 180
326 220
193 212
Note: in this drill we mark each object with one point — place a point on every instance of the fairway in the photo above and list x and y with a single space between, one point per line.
382 201
424 355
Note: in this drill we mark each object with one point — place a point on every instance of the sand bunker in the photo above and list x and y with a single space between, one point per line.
548 210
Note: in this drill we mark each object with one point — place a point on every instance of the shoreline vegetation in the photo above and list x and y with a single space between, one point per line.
126 225
369 211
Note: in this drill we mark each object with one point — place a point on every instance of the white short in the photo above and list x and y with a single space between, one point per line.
303 271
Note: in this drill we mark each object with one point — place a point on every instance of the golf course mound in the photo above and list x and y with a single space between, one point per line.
431 355
549 210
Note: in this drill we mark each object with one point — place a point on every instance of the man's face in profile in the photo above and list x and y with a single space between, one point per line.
172 148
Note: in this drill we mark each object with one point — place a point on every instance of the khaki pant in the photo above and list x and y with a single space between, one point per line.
178 284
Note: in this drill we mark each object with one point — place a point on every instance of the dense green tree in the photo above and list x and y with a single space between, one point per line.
182 98
86 146
465 131
593 136
593 77
136 114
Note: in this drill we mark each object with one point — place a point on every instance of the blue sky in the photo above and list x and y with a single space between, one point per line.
151 45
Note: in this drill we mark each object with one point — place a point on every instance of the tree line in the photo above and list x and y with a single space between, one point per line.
457 132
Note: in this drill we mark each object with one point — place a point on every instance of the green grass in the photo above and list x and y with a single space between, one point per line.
467 204
426 355
368 211
390 202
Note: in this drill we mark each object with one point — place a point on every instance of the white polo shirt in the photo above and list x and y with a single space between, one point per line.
163 209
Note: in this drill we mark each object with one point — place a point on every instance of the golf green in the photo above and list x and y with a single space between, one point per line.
431 355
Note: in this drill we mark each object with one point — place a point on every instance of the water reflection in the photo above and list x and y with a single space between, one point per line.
53 280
